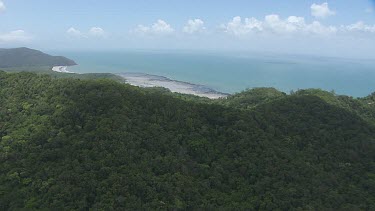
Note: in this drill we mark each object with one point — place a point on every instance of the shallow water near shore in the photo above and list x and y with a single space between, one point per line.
235 71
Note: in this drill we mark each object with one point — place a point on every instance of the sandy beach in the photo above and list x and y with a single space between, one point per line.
61 69
146 80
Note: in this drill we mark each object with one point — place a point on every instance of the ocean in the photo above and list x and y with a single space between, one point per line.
232 72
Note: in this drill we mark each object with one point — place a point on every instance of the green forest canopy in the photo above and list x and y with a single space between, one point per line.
76 144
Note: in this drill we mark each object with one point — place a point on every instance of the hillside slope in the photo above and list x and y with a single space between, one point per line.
78 145
25 57
252 98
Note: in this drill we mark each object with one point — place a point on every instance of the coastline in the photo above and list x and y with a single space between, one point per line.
61 69
147 80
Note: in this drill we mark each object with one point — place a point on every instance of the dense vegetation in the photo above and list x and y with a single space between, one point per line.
363 107
48 70
70 144
25 57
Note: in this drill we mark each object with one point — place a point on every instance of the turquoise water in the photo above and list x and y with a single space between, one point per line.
234 72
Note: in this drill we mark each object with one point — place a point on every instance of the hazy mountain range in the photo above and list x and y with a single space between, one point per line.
26 57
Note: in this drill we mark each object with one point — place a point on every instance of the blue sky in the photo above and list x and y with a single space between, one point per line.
335 28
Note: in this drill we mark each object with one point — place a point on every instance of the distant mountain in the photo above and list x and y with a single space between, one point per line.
25 57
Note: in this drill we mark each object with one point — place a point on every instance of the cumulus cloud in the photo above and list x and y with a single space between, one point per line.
237 27
15 36
273 24
291 24
159 28
2 6
194 26
360 26
72 32
317 28
321 10
94 32
97 32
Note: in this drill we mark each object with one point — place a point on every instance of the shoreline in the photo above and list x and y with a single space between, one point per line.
148 80
61 69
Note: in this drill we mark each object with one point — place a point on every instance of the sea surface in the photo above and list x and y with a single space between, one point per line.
231 72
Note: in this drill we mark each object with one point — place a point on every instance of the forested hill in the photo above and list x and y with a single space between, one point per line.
69 144
250 99
25 57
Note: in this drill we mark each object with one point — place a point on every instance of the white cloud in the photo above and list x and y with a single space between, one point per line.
72 32
292 24
237 27
2 6
97 32
317 28
162 27
273 24
321 10
159 28
15 36
359 27
194 26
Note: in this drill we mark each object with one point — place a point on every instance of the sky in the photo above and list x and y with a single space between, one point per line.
341 28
